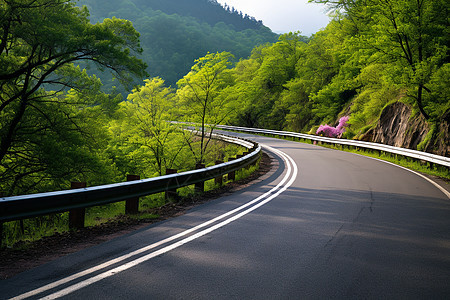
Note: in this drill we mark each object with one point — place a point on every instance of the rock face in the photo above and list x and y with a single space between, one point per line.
396 128
440 142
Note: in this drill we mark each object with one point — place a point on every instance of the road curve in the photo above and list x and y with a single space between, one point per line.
324 224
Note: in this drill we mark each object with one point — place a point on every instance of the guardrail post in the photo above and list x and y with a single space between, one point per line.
1 223
76 216
237 157
1 233
132 204
232 174
244 154
199 186
219 180
171 193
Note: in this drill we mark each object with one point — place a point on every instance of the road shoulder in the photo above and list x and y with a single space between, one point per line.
15 261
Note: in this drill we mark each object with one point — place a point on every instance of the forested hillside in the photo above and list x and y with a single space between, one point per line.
176 32
374 64
206 11
374 54
58 125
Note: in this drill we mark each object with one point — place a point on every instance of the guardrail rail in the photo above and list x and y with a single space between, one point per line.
419 155
27 206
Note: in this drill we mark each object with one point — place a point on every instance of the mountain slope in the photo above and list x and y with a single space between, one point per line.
175 32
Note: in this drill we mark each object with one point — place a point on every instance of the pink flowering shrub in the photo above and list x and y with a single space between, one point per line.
337 131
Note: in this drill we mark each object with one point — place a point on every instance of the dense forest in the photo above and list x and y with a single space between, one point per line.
176 32
205 11
58 125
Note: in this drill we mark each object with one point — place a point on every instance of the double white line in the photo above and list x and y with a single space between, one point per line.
288 179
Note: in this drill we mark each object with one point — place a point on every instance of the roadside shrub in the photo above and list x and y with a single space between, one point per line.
333 132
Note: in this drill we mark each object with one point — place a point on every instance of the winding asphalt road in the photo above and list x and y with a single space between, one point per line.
323 224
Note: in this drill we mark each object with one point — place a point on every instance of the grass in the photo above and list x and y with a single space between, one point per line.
407 162
19 234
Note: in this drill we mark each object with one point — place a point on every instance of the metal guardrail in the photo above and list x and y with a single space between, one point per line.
429 157
27 206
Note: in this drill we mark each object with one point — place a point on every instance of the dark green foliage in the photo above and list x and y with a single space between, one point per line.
205 11
176 32
47 137
208 11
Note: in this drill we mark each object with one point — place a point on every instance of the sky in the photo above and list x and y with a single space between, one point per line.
284 16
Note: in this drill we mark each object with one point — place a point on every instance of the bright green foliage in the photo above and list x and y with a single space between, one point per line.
260 80
368 104
200 98
56 126
143 141
322 85
372 54
294 82
412 36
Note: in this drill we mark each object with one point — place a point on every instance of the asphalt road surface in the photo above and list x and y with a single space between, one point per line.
323 224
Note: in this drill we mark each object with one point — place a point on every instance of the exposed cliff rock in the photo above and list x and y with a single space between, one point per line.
397 128
439 143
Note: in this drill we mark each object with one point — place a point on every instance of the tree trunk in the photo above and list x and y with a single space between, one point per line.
419 102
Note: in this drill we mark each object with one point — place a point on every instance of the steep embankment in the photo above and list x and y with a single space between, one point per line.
398 127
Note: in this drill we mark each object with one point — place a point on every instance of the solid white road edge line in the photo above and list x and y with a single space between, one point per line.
55 284
446 193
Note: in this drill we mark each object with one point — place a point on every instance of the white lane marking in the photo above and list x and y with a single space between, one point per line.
55 284
170 247
446 193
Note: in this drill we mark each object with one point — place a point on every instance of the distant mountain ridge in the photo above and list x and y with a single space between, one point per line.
209 11
176 32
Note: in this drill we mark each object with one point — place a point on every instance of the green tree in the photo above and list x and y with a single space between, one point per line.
56 144
411 35
142 132
200 94
261 79
174 33
318 62
40 40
